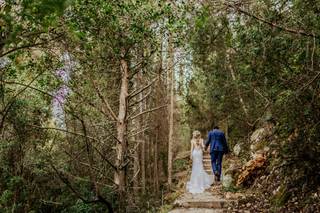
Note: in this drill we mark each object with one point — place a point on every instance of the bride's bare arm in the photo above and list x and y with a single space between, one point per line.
191 150
202 145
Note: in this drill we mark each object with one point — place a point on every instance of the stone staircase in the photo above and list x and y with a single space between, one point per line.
211 201
207 163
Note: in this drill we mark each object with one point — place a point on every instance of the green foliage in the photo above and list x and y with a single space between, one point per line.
165 208
6 197
231 188
79 207
181 164
281 197
235 57
27 22
275 74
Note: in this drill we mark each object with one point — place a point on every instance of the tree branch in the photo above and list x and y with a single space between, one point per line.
28 86
106 103
65 131
310 82
147 111
6 109
99 198
290 30
28 46
138 91
141 99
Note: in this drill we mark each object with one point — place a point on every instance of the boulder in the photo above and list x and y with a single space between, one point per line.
249 170
259 140
261 133
258 135
227 181
230 174
233 169
237 149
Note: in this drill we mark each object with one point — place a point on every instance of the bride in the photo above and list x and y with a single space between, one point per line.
199 180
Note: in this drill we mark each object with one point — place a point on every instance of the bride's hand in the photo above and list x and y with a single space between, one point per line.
190 157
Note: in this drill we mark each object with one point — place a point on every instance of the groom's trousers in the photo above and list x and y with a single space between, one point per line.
216 161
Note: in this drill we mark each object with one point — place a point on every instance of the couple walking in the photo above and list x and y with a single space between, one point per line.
200 180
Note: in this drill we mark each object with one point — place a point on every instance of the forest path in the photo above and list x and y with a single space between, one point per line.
213 200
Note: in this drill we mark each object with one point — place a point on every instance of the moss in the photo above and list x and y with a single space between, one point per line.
231 188
261 145
181 164
165 208
281 197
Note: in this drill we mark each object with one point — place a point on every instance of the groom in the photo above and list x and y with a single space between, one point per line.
218 147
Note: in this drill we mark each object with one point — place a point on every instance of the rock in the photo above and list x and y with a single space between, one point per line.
258 139
228 195
258 154
315 195
266 149
233 169
234 196
227 181
237 149
250 168
258 135
276 190
253 147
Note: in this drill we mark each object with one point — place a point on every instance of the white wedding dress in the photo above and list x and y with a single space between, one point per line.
199 180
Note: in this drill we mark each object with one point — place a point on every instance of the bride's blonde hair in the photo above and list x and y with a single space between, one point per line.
196 137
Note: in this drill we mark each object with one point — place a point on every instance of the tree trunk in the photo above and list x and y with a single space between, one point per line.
181 79
142 138
150 162
136 155
238 89
171 109
136 170
121 148
155 163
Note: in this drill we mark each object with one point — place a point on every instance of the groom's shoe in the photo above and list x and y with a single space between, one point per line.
217 176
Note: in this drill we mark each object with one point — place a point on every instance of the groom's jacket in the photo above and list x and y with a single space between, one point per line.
217 141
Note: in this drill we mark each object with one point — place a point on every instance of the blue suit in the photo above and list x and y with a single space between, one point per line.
218 147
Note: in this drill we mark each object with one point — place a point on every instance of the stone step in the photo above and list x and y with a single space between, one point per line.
207 210
209 171
215 204
197 210
202 200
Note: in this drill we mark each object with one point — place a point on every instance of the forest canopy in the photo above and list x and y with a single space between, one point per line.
98 98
